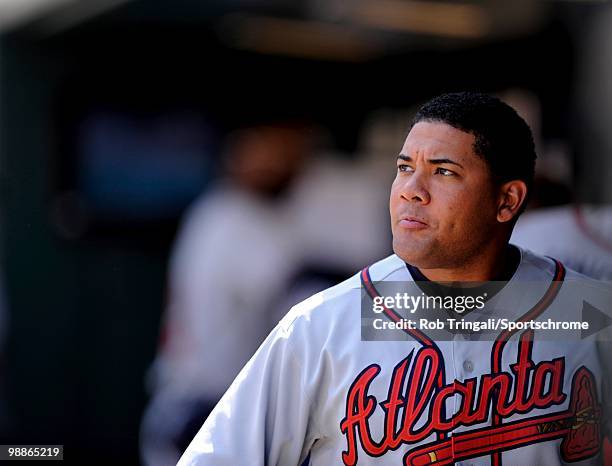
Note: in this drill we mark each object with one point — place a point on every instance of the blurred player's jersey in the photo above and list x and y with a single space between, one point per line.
581 237
232 259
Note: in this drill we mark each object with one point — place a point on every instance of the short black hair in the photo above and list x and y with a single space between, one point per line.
502 138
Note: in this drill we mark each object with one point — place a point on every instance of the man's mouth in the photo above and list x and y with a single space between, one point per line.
412 223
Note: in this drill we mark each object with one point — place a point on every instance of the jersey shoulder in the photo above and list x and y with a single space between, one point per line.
534 266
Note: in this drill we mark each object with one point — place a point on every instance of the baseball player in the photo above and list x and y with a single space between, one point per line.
555 230
318 390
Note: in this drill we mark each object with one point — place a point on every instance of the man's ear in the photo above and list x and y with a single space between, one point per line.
512 196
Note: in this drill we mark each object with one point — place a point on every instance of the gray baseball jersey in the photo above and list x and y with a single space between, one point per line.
316 388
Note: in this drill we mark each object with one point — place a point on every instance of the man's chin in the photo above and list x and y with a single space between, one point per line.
417 257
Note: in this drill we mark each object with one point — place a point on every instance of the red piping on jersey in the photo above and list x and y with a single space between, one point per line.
502 339
366 281
391 313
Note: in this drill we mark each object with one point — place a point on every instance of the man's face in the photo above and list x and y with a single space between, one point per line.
443 202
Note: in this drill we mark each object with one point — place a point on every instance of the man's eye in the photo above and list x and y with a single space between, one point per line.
404 168
444 172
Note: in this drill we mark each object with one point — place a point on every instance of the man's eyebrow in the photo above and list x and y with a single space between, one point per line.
407 158
441 161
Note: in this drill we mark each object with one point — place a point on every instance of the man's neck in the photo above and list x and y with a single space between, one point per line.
499 265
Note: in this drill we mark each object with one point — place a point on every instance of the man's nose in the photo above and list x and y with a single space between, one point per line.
415 189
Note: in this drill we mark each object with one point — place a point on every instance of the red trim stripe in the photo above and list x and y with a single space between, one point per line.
366 281
391 313
502 339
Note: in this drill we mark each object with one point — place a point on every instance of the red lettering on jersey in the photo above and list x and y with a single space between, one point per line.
526 387
359 407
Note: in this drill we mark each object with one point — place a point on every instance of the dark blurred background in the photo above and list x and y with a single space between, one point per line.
112 117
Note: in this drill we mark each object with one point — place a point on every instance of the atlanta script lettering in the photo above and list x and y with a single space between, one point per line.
525 387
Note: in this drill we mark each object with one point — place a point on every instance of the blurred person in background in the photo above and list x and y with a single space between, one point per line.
580 235
283 224
572 215
338 211
234 256
556 224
